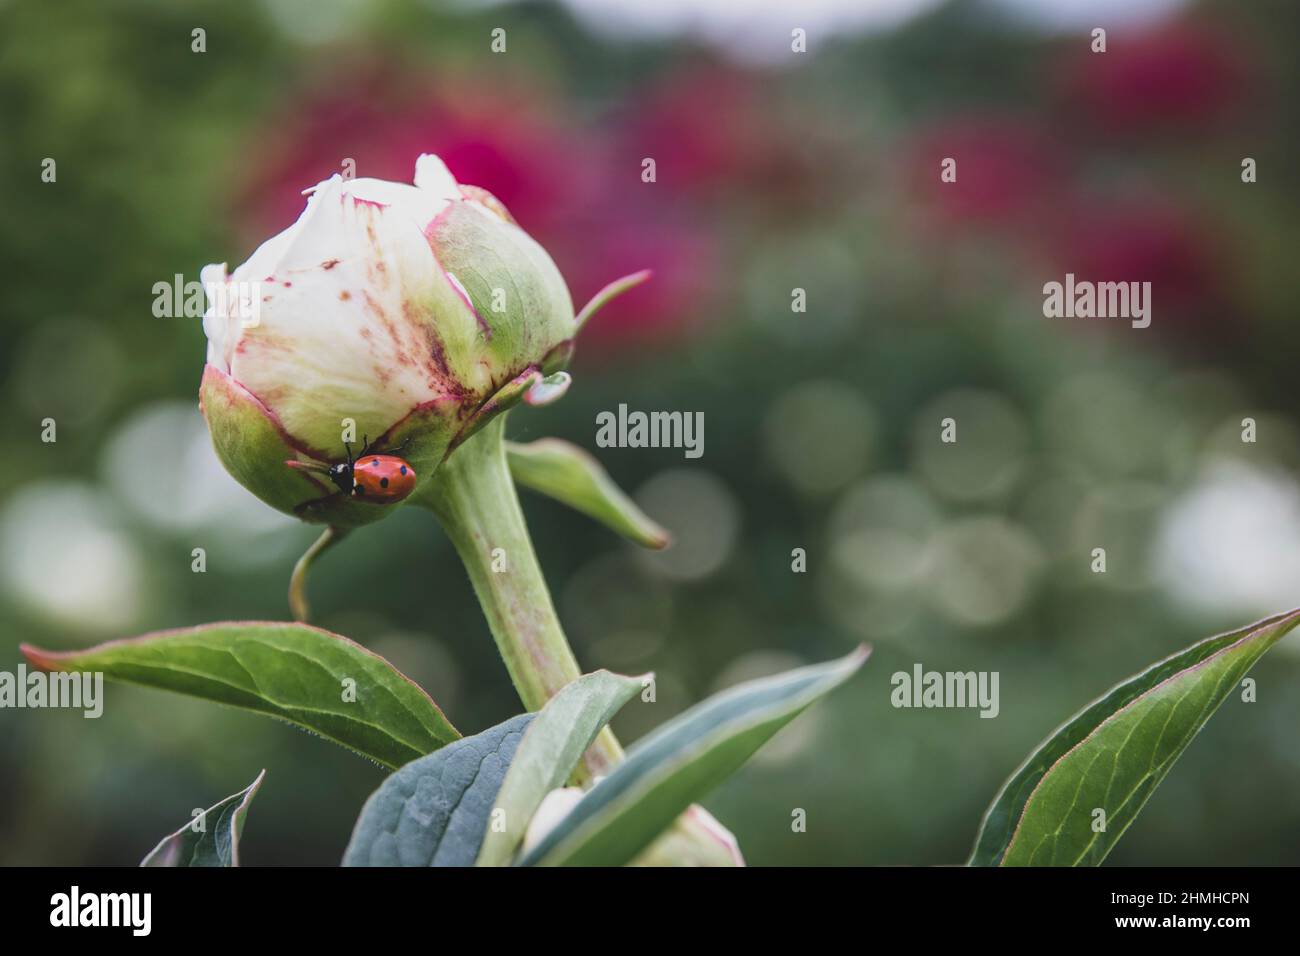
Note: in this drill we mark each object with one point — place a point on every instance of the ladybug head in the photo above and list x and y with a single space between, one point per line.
340 474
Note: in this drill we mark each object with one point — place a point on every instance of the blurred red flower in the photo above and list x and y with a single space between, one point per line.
1005 171
1178 75
1139 240
567 184
510 141
1146 238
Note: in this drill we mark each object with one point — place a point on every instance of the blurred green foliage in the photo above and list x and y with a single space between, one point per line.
821 427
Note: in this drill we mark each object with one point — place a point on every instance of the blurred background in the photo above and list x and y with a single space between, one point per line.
775 171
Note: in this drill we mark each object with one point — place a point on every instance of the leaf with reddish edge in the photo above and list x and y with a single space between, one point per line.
317 680
1111 755
215 842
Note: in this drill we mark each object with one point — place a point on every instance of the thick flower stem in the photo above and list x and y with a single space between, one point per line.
474 498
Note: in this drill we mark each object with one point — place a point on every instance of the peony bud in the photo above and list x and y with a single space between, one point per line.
405 316
696 838
555 806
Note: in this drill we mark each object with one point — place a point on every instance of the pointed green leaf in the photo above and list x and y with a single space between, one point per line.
434 810
1112 754
551 748
320 681
569 475
210 839
680 762
610 292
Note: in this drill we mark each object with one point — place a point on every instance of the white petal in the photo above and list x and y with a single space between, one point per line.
422 207
359 321
432 176
555 806
266 259
216 321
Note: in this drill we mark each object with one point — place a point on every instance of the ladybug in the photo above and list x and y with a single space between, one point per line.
374 479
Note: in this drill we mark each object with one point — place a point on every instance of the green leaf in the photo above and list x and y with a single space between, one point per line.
1113 754
216 842
681 761
569 475
295 672
434 810
551 748
610 292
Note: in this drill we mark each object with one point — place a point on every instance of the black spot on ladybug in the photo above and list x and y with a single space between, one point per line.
374 463
403 469
383 482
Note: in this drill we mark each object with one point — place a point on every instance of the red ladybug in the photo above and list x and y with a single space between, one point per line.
374 479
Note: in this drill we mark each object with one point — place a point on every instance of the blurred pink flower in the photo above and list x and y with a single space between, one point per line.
723 134
683 255
698 123
1149 239
512 141
576 188
1005 171
1023 187
1178 75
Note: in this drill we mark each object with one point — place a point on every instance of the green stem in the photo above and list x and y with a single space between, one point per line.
474 498
298 580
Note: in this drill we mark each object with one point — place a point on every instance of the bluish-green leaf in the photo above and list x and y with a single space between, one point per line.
1074 797
679 763
551 748
210 839
298 673
433 811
